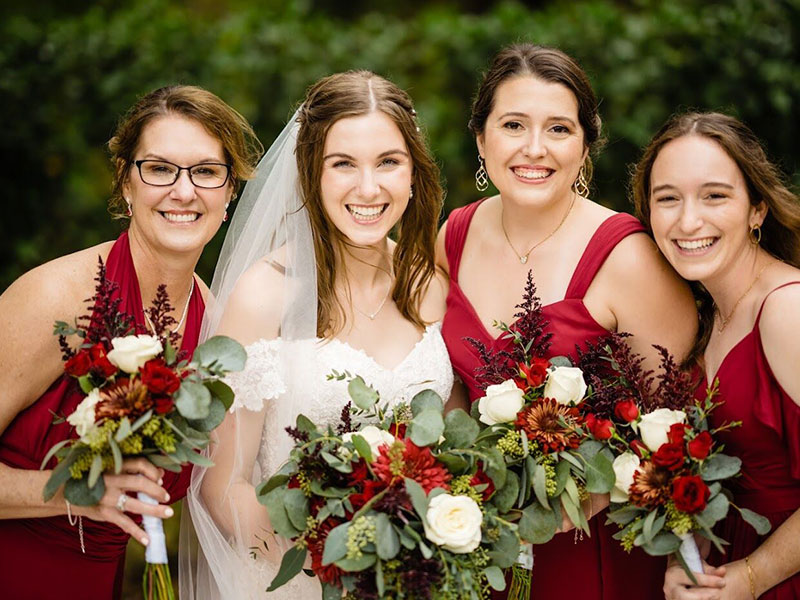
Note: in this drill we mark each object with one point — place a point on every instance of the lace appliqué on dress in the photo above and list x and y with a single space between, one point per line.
261 379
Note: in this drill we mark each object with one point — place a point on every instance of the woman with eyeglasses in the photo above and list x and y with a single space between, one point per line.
178 156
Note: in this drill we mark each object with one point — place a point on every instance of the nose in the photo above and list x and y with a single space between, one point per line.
690 218
535 145
368 187
183 188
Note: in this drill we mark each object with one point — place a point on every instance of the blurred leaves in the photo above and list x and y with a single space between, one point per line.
66 79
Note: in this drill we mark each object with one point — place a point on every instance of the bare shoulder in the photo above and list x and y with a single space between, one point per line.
441 250
434 301
255 306
780 335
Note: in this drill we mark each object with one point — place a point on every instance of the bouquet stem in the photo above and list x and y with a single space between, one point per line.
690 553
521 575
157 582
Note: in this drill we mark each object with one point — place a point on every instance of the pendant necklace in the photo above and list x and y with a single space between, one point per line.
523 258
152 327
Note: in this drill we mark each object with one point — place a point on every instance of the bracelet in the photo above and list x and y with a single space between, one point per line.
72 520
751 577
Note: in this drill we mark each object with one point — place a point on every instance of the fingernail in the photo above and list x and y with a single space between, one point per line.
169 512
166 497
145 541
160 481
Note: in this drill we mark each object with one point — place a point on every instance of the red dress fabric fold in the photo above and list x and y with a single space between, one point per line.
41 558
596 567
768 442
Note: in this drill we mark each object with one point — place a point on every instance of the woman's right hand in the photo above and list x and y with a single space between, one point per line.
137 475
678 586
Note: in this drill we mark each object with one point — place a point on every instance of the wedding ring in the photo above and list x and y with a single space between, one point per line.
123 498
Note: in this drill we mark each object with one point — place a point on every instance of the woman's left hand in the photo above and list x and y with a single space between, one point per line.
737 583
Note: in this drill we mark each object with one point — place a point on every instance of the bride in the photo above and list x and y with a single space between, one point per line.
310 282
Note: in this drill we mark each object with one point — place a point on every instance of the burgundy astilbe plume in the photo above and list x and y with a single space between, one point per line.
675 385
421 576
346 425
160 318
500 365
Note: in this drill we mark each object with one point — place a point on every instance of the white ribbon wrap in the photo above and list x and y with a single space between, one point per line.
156 551
690 552
525 557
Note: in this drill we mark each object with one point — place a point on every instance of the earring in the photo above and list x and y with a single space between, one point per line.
129 213
755 234
411 193
481 176
580 186
225 216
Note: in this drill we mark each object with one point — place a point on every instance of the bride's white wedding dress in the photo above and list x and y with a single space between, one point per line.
261 386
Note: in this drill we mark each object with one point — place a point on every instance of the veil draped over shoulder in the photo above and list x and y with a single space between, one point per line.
223 526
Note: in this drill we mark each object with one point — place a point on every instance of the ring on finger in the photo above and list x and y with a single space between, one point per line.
121 501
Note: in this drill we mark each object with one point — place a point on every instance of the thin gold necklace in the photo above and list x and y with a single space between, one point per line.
723 321
523 258
183 316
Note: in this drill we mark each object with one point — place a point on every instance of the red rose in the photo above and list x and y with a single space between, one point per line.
159 378
639 448
78 365
626 410
481 478
670 456
602 429
677 433
690 494
163 405
100 364
535 372
700 446
371 487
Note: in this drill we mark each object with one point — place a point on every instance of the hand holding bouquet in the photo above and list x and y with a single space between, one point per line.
143 399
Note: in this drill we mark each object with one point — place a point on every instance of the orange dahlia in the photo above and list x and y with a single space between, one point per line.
550 424
406 459
651 485
125 398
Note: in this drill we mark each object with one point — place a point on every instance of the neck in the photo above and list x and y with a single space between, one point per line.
728 286
175 270
366 267
527 225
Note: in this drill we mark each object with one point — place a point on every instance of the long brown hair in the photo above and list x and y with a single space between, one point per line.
352 94
548 64
781 226
239 143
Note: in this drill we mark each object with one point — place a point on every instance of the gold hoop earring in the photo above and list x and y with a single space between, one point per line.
580 186
481 176
755 234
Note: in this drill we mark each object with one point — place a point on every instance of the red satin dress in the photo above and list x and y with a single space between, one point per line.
768 442
595 568
41 559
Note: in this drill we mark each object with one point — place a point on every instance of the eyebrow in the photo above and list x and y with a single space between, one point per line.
348 157
553 118
667 186
151 156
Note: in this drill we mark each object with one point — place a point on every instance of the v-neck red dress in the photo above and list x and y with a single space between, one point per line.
595 568
41 558
768 442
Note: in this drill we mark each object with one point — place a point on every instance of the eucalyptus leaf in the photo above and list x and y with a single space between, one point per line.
296 504
165 462
426 400
572 508
275 501
589 448
355 565
664 543
714 511
426 428
221 391
95 470
537 525
624 515
196 458
720 466
505 550
460 429
540 485
387 542
216 414
363 396
505 497
52 452
124 429
115 453
418 498
137 424
560 361
331 592
220 354
454 463
599 473
362 447
495 466
759 523
193 400
291 564
563 472
78 492
335 544
494 575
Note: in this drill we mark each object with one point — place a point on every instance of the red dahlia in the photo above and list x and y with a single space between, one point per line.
316 546
406 459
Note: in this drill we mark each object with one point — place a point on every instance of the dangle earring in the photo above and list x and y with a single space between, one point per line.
411 193
129 213
481 176
755 234
225 216
580 186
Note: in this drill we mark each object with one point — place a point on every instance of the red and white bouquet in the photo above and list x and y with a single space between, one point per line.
392 504
143 399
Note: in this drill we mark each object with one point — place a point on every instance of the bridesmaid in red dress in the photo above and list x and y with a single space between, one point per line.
51 549
535 121
722 216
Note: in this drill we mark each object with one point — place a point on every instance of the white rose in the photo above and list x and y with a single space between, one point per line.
625 466
132 351
454 523
501 403
565 385
83 417
653 426
374 436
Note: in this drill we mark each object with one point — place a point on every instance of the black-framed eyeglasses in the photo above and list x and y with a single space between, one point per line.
163 173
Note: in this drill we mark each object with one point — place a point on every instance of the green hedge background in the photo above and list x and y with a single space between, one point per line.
68 70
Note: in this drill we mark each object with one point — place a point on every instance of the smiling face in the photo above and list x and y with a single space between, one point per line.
366 177
700 210
532 142
179 217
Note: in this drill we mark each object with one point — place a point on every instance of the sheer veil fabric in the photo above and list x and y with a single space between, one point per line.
222 530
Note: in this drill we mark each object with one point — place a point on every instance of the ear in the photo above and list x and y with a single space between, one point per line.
126 181
758 213
479 143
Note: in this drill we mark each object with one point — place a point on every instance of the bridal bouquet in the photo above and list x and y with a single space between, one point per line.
398 504
536 414
143 399
669 466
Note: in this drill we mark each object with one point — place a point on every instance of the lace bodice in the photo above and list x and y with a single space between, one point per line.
278 371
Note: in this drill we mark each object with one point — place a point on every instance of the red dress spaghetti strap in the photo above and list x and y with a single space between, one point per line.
768 442
595 568
41 558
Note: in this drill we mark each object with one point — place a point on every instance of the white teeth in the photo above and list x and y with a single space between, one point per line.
366 213
532 173
180 218
695 244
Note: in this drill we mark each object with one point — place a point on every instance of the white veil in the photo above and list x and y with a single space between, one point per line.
270 231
